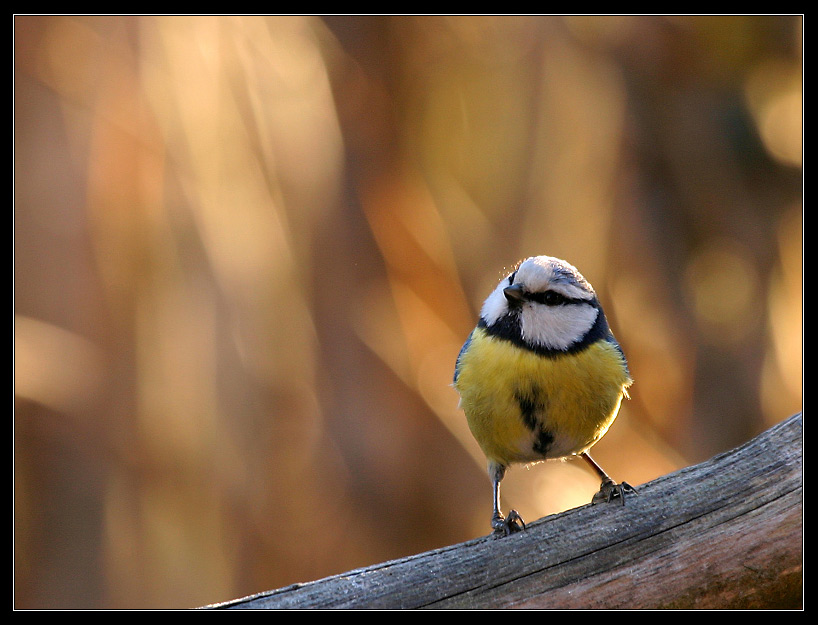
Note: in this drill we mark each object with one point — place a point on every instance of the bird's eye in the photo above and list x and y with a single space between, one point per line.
552 298
511 277
549 298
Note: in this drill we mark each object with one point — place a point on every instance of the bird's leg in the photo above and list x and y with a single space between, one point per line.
503 526
609 489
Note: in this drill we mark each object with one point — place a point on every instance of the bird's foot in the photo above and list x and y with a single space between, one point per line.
508 525
611 490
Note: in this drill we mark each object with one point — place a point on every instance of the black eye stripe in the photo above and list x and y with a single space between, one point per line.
552 298
549 298
511 277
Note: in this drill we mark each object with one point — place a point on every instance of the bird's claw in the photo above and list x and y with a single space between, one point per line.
508 525
611 490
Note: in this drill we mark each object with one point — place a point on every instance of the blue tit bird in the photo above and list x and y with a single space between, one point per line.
541 376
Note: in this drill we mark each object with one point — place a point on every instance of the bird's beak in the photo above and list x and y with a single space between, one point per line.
514 294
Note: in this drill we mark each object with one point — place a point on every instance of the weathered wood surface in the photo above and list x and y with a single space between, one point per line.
726 533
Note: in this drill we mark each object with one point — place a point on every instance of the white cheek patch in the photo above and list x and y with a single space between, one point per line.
556 327
496 304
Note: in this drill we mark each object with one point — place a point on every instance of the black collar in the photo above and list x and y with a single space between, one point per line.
507 328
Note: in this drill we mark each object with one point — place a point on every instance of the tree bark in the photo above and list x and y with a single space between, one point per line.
726 533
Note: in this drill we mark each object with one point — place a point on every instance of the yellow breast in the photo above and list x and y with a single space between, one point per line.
523 407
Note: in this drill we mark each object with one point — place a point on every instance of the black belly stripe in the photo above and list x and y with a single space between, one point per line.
544 441
530 407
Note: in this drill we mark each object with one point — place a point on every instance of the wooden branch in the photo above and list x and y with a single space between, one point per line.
726 533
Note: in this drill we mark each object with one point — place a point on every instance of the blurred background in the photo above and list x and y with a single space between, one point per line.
247 251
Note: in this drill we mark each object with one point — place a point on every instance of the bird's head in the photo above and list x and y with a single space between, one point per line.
545 303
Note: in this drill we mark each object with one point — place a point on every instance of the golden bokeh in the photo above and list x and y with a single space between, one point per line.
247 251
